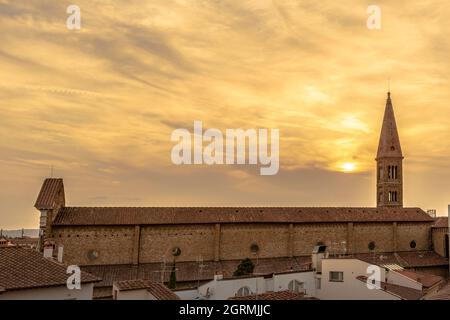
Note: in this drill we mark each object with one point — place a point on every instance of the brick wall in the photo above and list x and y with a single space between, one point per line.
380 233
193 240
306 236
146 244
418 232
114 245
236 240
438 238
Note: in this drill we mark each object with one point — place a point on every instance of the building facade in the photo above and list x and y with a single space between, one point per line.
101 238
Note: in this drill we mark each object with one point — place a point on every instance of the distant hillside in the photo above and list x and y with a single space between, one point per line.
33 233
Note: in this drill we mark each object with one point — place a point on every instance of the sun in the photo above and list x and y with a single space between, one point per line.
348 167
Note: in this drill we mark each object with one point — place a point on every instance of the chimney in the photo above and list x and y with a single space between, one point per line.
319 253
60 253
48 250
218 276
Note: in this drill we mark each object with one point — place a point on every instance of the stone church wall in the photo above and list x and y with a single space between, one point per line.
92 245
194 241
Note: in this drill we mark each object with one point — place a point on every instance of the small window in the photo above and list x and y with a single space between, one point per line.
413 244
371 245
336 276
296 286
243 292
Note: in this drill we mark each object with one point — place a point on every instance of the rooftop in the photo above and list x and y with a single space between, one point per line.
403 293
441 294
22 268
280 295
427 280
158 290
49 192
83 216
404 259
440 222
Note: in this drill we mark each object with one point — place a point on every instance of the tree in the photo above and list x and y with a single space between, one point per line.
173 277
244 268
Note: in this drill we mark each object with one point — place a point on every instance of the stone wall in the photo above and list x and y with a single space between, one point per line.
111 245
420 233
194 241
438 238
146 244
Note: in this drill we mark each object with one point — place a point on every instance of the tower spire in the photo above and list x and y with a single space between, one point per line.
389 161
389 144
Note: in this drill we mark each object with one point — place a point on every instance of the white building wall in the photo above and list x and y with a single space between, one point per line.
190 294
281 281
224 289
51 293
350 288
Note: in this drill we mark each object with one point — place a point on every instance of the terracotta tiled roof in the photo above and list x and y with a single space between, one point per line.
406 259
158 290
48 193
427 280
442 294
189 271
403 293
26 268
280 295
164 215
440 222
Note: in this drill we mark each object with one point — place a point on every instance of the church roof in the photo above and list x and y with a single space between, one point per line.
49 191
86 216
389 144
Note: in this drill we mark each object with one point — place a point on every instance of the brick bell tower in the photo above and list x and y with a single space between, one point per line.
389 162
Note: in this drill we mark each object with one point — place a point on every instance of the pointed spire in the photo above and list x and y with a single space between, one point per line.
389 145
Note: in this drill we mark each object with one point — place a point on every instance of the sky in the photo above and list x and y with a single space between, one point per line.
99 104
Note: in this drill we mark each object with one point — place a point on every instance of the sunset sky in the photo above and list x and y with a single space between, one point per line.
100 104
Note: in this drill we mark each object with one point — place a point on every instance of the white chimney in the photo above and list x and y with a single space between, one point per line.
319 252
218 276
60 253
48 250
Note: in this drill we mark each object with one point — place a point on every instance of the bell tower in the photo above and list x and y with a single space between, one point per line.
389 162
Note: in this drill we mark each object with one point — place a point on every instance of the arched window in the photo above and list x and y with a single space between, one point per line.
392 196
243 292
296 286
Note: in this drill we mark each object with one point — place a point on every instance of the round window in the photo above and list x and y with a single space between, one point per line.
413 244
92 255
254 248
176 251
371 245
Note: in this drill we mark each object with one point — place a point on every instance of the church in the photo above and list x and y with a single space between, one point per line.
125 243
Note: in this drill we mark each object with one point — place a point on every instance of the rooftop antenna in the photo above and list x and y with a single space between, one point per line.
200 269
